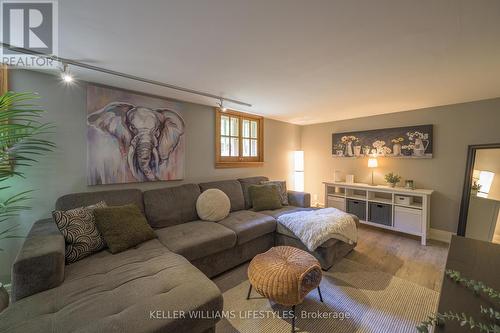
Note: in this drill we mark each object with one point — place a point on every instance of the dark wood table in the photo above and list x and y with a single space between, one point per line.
476 260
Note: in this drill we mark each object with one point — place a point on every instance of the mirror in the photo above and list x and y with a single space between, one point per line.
480 207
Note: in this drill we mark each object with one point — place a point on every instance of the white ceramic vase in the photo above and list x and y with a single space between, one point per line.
396 149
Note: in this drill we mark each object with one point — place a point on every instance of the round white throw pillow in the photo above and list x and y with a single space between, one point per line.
213 205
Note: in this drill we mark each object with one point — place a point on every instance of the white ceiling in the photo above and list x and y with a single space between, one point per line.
298 61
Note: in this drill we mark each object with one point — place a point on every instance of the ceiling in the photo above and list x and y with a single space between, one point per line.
298 61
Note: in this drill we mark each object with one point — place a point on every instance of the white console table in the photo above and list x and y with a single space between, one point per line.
393 208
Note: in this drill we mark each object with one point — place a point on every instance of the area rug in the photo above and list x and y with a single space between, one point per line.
356 299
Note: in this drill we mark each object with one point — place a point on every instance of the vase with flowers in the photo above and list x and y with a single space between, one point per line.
420 142
396 146
347 141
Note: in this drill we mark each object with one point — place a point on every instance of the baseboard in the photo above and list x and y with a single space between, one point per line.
440 235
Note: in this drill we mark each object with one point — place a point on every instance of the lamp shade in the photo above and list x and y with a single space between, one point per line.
372 163
298 160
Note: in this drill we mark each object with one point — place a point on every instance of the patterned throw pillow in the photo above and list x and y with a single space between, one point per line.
281 187
80 232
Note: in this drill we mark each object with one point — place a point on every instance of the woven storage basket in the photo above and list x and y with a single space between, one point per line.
284 274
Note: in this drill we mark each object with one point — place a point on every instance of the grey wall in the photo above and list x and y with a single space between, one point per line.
64 171
455 127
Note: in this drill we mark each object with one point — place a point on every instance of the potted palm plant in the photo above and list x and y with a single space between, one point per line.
22 142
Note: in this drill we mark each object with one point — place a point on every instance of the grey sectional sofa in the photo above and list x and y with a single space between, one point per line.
138 290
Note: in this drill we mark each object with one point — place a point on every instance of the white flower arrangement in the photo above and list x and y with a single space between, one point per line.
417 135
386 150
378 144
409 146
349 138
397 140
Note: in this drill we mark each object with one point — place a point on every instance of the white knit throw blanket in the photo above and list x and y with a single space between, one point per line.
315 227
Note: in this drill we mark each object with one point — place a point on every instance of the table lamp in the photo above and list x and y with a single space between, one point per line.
372 163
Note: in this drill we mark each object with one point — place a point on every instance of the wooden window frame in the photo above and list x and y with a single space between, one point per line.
239 161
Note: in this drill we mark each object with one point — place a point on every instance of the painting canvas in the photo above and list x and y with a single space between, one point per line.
132 137
401 142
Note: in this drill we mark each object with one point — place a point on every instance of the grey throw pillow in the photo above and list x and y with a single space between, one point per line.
80 231
281 184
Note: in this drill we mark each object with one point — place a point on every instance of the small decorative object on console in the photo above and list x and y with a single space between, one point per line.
392 179
410 184
349 179
403 200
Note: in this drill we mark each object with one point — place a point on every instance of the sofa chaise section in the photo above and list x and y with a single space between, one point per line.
105 292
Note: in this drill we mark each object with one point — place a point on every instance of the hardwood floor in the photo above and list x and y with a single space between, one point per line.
390 252
402 256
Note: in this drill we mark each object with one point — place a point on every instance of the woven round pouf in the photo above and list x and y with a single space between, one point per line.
285 275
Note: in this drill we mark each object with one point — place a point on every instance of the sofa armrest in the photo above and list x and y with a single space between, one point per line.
39 265
299 199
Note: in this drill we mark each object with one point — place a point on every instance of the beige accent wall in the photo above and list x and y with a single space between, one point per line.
489 160
64 171
455 127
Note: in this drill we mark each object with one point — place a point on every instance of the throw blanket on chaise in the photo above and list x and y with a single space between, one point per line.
315 227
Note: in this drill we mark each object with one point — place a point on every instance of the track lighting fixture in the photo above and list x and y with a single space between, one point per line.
66 75
221 105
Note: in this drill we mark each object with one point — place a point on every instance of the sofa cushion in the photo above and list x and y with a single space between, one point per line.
118 293
249 225
172 205
123 227
197 239
80 231
213 205
265 197
112 198
281 184
233 190
245 184
283 210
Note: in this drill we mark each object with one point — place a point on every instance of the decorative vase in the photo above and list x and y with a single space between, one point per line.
420 147
396 149
474 192
392 184
357 151
4 298
406 152
366 151
348 149
340 153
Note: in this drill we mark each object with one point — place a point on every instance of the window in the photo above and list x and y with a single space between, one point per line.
238 140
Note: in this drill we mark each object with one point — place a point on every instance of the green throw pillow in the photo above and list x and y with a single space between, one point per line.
265 197
122 227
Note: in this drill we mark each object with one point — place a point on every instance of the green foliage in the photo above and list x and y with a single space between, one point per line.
477 287
392 178
22 143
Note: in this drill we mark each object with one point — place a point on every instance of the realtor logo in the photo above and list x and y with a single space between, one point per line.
30 25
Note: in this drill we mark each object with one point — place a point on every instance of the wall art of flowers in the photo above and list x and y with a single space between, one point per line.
402 142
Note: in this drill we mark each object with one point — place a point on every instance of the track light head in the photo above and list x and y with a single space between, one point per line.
221 105
66 75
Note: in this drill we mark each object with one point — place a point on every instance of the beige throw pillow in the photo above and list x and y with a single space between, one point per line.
213 205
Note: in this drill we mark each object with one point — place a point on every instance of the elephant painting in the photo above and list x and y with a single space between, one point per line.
132 143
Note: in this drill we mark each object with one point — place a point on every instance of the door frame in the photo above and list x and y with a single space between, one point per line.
469 169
